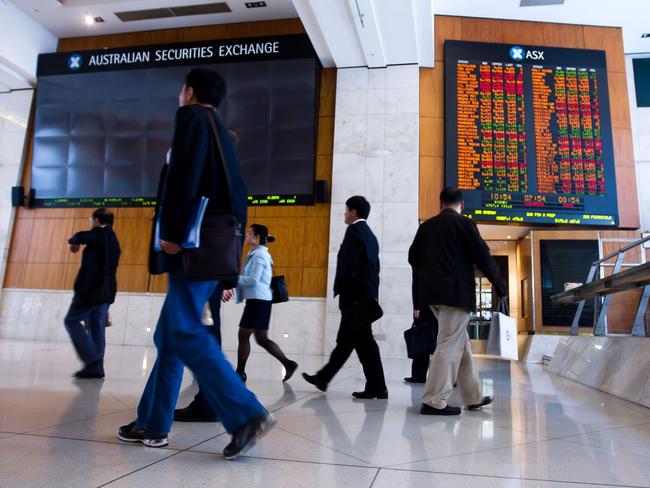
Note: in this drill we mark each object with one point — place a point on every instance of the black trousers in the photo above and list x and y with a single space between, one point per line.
419 367
355 336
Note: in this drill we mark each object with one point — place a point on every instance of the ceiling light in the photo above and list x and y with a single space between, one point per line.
89 19
98 20
508 237
255 4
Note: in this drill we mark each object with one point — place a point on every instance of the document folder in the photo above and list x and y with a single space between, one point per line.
192 238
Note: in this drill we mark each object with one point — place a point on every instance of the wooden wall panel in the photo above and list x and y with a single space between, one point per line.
618 100
562 35
21 239
14 275
432 175
432 136
445 28
482 30
45 276
315 249
39 256
628 202
521 32
48 240
609 40
327 93
432 95
314 282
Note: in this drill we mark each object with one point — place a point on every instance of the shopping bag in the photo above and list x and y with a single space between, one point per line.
502 340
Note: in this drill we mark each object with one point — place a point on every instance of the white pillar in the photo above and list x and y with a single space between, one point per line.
378 110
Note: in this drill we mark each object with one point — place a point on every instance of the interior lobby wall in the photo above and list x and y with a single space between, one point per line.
14 119
432 150
40 270
39 258
432 102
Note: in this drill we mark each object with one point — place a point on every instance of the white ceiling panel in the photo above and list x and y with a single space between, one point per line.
67 20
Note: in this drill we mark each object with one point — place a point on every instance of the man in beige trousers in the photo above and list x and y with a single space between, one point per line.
444 252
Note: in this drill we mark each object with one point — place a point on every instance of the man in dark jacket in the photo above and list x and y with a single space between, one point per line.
201 154
94 290
444 252
357 285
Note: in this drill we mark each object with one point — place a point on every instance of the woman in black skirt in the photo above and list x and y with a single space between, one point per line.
254 286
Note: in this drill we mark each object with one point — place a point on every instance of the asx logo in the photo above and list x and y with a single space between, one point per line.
518 53
74 61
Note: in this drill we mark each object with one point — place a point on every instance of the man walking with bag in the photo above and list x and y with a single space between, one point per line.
357 285
203 163
94 290
443 254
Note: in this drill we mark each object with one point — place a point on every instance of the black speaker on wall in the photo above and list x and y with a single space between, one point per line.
17 196
320 191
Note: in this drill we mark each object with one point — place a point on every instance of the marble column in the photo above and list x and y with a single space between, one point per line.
376 155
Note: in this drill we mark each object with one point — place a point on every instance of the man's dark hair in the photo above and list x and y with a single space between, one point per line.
451 196
104 216
208 85
360 204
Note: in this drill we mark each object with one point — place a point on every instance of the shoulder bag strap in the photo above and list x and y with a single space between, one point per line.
211 114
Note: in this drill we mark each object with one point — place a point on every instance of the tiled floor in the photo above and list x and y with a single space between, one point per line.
542 432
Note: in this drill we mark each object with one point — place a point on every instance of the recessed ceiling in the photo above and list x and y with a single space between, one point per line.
67 19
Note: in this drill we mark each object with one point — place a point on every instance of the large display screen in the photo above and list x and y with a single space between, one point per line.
528 134
105 119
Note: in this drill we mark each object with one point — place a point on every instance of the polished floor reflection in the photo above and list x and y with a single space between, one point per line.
542 431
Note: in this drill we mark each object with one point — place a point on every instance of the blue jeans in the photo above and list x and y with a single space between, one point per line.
89 345
181 338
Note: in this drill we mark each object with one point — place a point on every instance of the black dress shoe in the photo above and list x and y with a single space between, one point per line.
94 370
448 410
369 395
486 401
293 366
246 437
411 379
192 413
315 380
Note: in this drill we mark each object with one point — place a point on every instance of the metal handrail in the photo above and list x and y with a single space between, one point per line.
600 322
622 250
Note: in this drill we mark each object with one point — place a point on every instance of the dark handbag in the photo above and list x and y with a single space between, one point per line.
363 311
279 290
219 255
420 340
